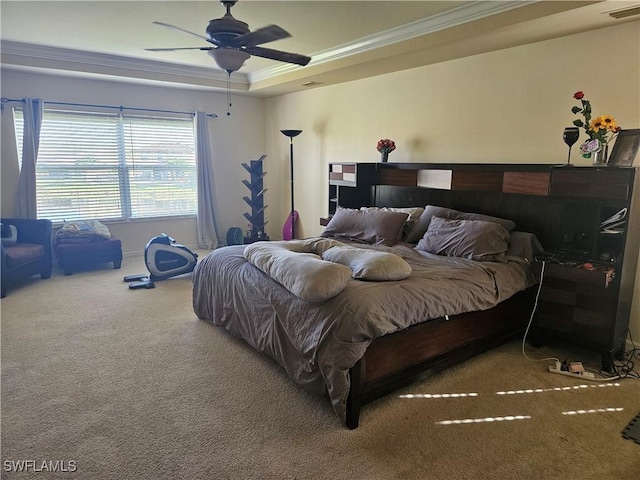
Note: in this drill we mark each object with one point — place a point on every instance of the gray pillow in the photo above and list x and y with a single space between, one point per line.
376 227
473 239
413 212
430 211
369 264
304 274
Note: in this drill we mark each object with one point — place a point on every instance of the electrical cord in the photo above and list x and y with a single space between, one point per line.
622 368
533 312
625 368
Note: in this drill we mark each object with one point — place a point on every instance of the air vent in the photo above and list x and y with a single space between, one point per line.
311 84
627 12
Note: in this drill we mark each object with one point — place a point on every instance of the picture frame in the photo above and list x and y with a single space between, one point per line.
625 149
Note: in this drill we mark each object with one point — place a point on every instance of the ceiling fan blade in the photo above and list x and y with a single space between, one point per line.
266 34
179 29
179 48
278 55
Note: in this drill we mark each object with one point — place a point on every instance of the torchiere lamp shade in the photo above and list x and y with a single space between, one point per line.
291 133
289 230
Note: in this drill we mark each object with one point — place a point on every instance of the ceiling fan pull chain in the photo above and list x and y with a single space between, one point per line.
228 93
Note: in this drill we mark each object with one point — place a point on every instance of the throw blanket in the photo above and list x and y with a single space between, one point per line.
318 269
83 232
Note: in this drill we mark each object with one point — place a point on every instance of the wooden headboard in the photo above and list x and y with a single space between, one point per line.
563 206
531 214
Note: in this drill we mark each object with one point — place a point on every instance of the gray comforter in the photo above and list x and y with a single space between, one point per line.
317 343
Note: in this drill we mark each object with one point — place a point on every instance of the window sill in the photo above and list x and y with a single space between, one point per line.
136 220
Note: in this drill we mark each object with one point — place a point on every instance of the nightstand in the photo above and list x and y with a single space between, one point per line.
579 304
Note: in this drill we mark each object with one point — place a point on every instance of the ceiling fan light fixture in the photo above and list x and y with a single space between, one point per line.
229 59
233 42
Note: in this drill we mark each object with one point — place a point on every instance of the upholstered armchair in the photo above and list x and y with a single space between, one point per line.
31 253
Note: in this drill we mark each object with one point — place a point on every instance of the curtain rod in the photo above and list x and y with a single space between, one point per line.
21 100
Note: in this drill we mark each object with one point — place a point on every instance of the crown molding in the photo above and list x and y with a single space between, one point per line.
450 18
70 60
43 56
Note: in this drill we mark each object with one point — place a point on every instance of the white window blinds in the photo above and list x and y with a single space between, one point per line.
113 166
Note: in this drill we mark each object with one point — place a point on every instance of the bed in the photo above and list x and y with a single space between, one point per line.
384 297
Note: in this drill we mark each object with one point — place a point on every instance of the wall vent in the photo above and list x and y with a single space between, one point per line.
311 84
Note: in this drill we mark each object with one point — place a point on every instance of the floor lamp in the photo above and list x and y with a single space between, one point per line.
292 214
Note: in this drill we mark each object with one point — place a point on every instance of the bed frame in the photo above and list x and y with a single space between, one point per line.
516 192
404 357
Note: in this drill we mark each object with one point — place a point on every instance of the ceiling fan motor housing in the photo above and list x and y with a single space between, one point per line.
223 30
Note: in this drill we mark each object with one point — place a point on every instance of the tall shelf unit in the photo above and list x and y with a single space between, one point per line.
255 184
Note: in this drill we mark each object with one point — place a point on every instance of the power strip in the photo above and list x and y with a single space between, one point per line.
585 375
582 375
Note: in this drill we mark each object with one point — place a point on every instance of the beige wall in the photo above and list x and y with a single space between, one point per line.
237 138
506 106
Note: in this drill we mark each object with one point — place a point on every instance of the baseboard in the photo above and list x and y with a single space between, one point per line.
136 253
139 253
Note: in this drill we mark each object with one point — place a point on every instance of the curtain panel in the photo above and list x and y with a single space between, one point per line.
207 222
26 204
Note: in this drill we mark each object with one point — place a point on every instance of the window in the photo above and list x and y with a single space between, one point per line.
104 166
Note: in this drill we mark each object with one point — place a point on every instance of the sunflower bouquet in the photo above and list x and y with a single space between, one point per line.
600 130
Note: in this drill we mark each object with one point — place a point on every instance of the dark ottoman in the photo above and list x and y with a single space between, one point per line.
75 256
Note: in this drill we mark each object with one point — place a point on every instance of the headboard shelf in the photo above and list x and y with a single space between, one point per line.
506 178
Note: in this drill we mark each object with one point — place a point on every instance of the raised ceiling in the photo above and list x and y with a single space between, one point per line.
346 39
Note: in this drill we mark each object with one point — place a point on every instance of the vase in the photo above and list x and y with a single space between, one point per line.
600 157
384 157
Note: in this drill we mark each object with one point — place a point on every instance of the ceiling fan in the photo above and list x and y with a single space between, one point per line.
233 42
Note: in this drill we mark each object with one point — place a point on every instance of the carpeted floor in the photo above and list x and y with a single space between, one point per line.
129 384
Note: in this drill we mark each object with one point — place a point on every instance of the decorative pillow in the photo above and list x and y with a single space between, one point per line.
413 212
370 226
305 275
431 211
369 264
473 239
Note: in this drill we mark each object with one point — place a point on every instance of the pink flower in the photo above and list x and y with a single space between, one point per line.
590 146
